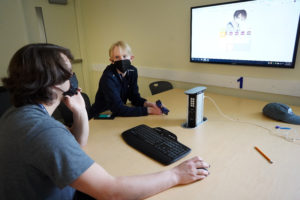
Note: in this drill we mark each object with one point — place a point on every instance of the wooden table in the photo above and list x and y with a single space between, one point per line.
237 170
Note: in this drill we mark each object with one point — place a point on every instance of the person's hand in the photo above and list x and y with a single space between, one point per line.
191 170
75 103
152 108
149 104
80 126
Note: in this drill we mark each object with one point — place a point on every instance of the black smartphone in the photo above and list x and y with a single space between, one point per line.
104 116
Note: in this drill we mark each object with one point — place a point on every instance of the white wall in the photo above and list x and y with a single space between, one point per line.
21 23
158 32
12 31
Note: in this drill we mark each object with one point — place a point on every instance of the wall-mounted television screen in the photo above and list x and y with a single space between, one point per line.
257 33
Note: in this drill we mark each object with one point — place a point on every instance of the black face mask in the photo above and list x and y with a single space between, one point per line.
122 65
73 86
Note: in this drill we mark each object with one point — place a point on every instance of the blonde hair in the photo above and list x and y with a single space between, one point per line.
122 45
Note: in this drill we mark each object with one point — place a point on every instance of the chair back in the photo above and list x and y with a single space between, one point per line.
160 86
4 100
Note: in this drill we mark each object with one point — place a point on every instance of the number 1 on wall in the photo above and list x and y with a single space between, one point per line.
241 80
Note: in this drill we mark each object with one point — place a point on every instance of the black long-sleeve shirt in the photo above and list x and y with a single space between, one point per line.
113 92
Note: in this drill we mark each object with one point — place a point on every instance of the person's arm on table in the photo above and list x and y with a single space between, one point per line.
115 104
96 182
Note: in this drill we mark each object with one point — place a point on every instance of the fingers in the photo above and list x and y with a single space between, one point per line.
196 158
65 99
202 172
74 102
199 162
154 111
201 167
149 104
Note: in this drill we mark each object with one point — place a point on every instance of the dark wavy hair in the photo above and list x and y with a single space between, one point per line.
240 12
32 71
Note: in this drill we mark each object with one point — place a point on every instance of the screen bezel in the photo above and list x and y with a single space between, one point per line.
274 64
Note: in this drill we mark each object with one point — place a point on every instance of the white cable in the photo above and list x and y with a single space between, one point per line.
219 110
251 123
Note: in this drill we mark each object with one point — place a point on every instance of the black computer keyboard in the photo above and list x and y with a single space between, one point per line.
157 143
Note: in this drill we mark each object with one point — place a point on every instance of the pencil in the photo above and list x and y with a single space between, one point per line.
264 155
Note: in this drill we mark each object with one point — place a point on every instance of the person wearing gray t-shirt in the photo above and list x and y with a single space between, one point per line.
42 159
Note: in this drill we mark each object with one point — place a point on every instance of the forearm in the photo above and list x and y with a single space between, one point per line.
101 185
141 187
128 111
137 101
133 187
80 127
